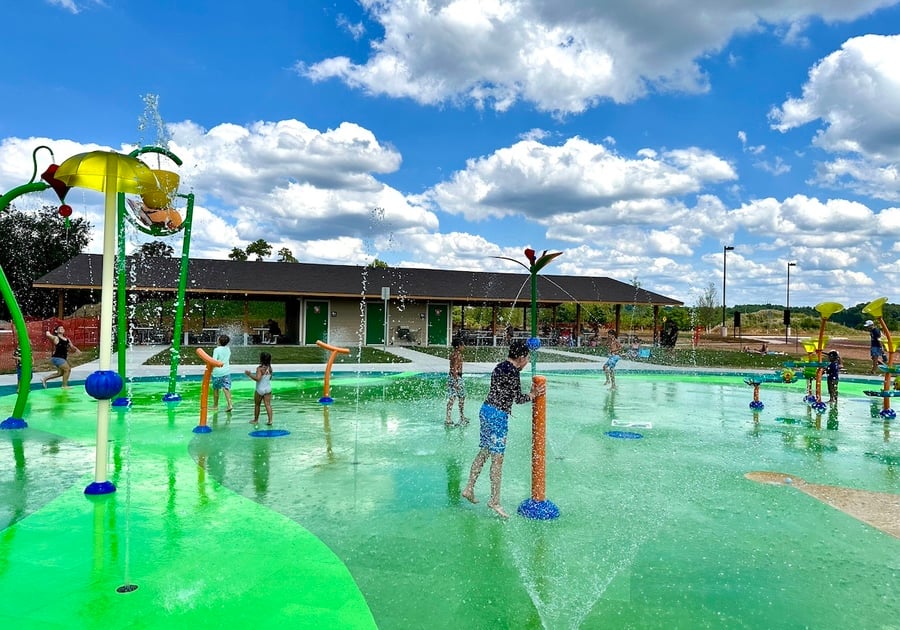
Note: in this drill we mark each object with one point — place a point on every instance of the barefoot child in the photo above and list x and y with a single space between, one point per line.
506 390
609 368
60 358
263 393
17 357
833 372
221 376
456 388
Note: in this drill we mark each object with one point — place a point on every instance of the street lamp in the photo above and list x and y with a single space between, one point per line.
725 250
787 308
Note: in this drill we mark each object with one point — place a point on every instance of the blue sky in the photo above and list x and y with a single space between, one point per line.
638 138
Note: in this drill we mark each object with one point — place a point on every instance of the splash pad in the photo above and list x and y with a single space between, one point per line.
665 531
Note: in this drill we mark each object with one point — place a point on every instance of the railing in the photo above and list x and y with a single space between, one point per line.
83 331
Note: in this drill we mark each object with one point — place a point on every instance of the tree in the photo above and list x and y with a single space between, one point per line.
260 248
285 255
707 305
154 249
238 254
378 264
36 243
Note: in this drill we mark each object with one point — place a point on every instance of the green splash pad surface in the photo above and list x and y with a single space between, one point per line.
362 499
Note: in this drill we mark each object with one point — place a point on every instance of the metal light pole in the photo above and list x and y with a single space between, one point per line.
725 250
787 308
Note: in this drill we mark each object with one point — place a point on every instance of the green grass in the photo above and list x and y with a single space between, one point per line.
249 355
720 358
491 354
288 354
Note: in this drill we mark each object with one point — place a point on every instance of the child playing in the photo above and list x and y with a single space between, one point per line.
456 389
60 358
221 376
17 357
263 393
609 368
833 372
505 391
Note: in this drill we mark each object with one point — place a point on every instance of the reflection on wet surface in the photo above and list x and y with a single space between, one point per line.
664 531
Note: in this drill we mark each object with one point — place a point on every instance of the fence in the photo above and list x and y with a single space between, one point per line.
83 331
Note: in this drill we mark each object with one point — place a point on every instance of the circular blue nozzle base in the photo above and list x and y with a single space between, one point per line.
326 400
756 404
269 433
202 429
171 397
819 406
121 402
539 510
887 414
100 487
13 423
624 435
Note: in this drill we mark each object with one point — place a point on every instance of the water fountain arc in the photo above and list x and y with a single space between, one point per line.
165 192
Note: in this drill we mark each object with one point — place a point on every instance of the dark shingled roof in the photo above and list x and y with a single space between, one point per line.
270 280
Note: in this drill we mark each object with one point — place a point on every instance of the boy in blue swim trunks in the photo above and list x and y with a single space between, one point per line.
505 391
615 349
221 376
876 350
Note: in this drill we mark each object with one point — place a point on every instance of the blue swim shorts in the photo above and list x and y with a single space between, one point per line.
611 361
876 352
494 425
57 361
221 382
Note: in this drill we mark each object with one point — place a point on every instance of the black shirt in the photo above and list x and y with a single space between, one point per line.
875 336
506 387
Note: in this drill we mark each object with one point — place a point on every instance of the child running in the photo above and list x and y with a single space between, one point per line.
60 358
263 393
615 349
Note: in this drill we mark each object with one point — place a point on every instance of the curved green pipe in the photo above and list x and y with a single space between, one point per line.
182 289
121 295
15 312
160 150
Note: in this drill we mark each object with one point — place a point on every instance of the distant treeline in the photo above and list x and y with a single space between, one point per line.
851 316
640 317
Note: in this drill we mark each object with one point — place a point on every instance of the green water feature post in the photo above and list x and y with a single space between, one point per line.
17 419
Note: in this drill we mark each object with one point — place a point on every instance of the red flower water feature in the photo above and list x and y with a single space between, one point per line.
49 176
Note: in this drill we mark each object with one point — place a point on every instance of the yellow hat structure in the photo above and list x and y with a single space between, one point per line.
161 196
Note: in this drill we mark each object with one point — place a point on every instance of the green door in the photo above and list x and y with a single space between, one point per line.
374 323
438 316
316 322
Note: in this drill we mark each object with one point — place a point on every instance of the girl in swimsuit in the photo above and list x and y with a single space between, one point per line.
61 345
263 393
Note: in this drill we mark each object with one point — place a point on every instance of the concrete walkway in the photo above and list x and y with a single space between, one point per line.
418 362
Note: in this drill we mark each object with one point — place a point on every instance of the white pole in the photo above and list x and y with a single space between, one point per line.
106 311
386 296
